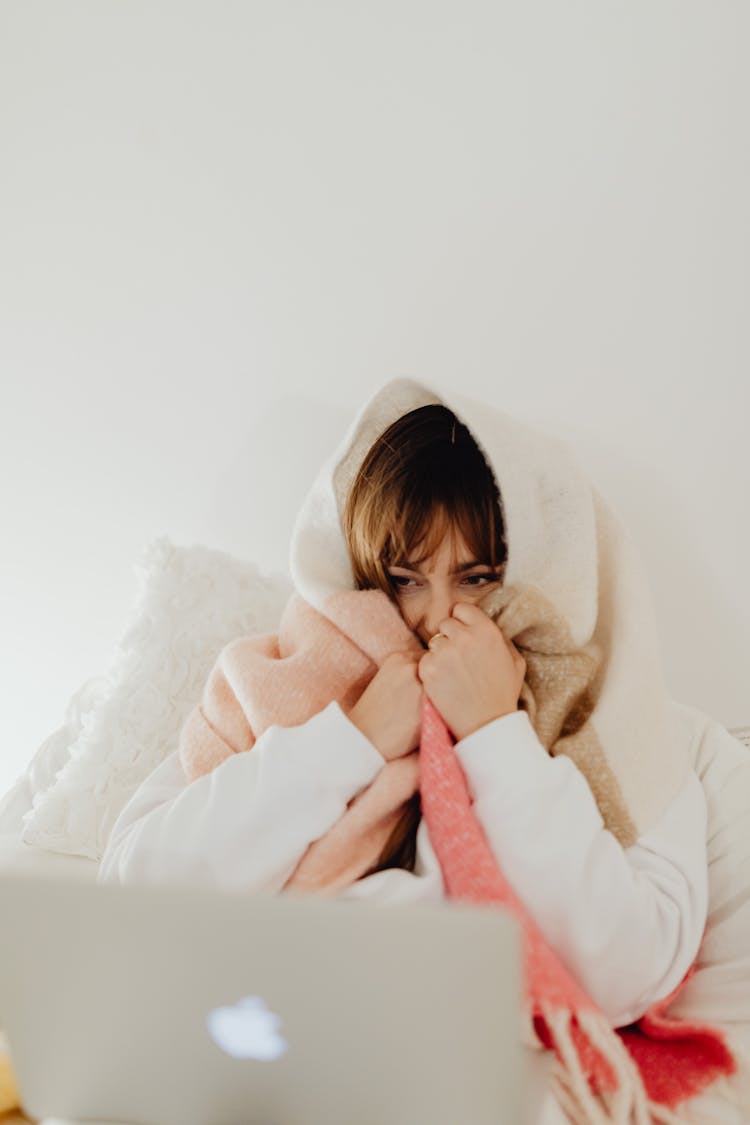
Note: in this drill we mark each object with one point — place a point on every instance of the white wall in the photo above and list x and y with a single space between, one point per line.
223 225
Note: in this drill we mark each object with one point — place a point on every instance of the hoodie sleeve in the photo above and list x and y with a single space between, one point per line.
247 823
627 922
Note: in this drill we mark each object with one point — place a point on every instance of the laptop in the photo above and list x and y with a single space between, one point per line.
173 1006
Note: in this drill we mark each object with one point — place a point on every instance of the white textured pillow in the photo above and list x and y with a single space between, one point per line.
49 758
191 602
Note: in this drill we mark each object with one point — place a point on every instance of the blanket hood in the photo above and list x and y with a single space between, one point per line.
548 504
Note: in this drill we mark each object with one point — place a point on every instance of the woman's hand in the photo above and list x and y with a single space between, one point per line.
389 710
476 675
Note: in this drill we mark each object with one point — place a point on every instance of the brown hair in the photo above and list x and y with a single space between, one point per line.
424 475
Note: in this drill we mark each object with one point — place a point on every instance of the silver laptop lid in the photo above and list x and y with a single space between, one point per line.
169 1006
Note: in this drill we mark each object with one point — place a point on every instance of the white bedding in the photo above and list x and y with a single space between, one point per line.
20 856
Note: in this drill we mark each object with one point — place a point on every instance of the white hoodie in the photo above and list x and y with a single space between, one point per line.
627 922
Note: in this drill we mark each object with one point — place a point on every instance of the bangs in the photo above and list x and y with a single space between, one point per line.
418 531
445 497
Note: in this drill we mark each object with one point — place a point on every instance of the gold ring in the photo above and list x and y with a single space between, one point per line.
435 637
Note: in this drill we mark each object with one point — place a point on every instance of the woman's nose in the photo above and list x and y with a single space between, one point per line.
439 608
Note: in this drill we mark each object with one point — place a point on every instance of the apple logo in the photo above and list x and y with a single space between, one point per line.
247 1029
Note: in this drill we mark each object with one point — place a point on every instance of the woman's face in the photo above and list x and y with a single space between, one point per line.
425 595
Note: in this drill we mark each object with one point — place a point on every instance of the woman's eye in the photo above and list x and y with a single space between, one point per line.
477 581
481 578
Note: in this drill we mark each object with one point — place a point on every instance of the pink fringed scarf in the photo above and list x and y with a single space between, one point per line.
666 1061
639 1075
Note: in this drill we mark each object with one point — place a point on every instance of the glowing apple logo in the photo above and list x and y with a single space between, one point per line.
247 1030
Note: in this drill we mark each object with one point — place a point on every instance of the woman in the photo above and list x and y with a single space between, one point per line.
439 540
420 517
